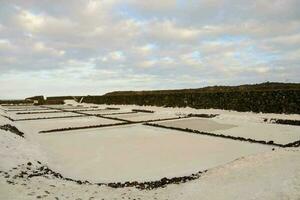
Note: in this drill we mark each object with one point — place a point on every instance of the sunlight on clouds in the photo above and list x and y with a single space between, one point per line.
262 70
5 44
118 44
147 47
148 63
168 30
31 21
192 59
117 55
40 47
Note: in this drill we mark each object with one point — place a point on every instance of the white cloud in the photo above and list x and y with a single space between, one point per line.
192 59
147 63
30 21
262 70
116 55
44 24
154 5
175 42
5 44
169 31
147 48
40 47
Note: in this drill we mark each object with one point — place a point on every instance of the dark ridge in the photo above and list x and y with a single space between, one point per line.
283 121
266 98
293 144
141 110
203 115
15 102
7 117
41 100
267 86
62 98
13 129
112 108
37 98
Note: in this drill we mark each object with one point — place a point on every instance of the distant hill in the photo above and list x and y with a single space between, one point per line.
269 97
267 86
266 97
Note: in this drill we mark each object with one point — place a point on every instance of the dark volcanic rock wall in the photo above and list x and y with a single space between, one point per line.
267 101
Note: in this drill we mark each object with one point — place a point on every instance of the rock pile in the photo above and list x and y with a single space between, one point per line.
283 121
36 169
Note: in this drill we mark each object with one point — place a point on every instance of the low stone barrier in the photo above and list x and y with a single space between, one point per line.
203 115
42 112
39 118
120 113
13 129
141 110
83 127
7 117
112 108
25 110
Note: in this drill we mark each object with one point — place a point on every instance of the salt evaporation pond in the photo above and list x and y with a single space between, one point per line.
138 153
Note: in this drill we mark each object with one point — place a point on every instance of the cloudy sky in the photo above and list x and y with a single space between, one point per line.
78 47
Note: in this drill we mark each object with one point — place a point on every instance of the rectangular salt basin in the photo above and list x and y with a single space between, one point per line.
281 134
42 125
43 115
101 112
138 153
145 116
